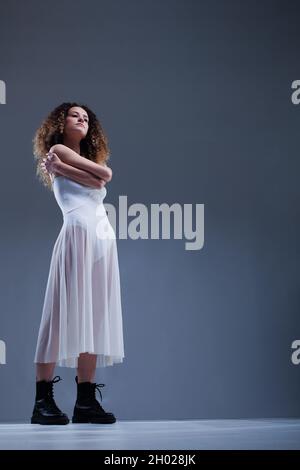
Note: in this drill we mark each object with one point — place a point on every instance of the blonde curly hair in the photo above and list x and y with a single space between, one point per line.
94 146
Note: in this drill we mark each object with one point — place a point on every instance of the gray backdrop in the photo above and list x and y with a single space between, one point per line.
195 97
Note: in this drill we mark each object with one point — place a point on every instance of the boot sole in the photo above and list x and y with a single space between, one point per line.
36 421
93 420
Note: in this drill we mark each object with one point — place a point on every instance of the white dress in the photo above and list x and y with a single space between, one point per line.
82 309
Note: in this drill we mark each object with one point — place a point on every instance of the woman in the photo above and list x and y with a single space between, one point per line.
81 324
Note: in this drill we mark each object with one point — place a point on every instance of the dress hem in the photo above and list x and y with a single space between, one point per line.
103 360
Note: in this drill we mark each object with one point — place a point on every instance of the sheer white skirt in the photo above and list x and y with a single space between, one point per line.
82 309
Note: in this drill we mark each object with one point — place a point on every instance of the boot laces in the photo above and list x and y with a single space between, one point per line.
98 387
51 392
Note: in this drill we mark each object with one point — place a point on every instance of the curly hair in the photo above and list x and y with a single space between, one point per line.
94 146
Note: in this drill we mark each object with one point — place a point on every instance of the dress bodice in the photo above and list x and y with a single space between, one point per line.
69 194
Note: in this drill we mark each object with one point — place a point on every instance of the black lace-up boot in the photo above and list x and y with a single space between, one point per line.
45 410
87 409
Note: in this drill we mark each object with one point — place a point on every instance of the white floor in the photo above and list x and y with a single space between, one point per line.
168 435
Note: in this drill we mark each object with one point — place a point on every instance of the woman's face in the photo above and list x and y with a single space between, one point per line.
77 121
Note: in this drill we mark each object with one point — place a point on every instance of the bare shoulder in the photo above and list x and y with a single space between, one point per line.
68 155
62 149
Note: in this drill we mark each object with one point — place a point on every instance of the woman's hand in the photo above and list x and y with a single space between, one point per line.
51 163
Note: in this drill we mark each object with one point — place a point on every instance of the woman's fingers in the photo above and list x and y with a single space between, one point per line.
46 163
51 155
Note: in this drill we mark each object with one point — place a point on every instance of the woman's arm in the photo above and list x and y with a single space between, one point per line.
80 176
72 158
54 166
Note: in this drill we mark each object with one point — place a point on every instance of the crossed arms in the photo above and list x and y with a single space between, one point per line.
80 169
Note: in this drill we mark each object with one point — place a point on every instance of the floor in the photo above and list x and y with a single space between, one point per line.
192 434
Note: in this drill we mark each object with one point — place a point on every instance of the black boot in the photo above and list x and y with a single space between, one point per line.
87 409
45 410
